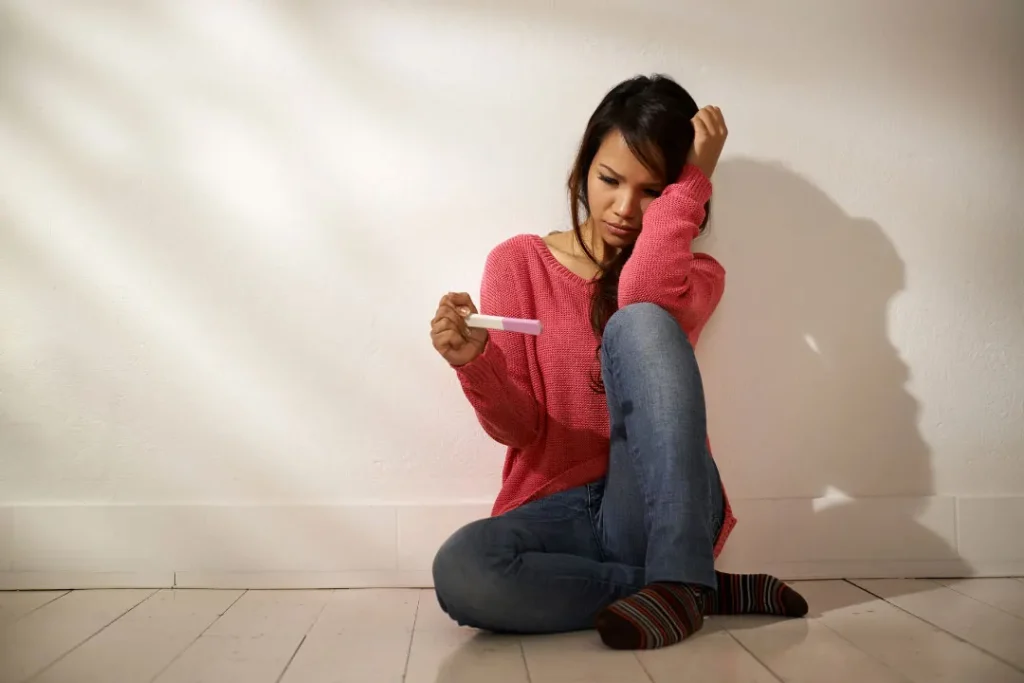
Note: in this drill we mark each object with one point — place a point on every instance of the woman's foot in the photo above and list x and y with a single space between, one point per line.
754 594
659 615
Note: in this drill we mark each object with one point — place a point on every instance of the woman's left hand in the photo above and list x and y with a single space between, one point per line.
709 133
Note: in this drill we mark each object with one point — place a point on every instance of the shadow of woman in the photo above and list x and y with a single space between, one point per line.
807 394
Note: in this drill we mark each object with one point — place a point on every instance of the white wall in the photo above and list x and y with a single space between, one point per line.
224 229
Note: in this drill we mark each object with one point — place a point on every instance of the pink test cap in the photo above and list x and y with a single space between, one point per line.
521 326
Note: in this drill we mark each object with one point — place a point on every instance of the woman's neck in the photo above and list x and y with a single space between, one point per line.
597 247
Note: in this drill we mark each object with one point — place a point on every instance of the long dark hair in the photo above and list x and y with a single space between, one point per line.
653 115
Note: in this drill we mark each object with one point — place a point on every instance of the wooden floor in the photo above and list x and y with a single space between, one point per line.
859 632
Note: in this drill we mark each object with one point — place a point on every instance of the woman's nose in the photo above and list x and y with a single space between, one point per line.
626 205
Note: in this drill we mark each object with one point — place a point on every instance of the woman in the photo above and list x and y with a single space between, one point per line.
611 512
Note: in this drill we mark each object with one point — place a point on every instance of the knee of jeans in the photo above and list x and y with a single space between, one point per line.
642 326
466 578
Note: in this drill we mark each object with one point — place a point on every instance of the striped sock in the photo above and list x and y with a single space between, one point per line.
661 614
754 594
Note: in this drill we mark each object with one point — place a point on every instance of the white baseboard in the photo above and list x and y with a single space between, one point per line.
882 569
363 546
65 580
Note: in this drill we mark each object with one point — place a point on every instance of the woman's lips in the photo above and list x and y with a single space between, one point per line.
620 231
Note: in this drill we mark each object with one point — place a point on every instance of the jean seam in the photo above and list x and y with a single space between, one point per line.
644 490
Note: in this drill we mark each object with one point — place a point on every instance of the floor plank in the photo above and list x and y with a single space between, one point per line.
580 658
806 651
443 652
915 648
41 637
253 641
361 635
136 647
993 631
16 604
1006 595
711 655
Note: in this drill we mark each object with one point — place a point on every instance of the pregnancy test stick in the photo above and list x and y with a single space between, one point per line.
493 322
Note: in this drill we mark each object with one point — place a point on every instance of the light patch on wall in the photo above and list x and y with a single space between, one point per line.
812 343
833 498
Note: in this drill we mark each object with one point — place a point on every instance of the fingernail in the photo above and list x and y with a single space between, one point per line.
463 311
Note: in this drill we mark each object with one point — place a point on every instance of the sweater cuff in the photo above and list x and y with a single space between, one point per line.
480 370
697 184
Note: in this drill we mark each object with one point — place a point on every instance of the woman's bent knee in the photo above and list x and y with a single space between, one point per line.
644 321
452 564
467 576
644 333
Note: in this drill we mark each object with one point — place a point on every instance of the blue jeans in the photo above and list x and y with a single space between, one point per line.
553 564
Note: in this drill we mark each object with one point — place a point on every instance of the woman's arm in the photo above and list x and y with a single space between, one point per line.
662 270
499 383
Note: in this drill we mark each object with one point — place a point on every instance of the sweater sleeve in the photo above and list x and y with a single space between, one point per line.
498 382
662 270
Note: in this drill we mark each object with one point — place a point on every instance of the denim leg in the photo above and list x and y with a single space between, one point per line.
663 502
536 569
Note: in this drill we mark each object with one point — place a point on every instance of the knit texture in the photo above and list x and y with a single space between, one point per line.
533 394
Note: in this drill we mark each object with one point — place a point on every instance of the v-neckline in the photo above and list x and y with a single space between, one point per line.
559 267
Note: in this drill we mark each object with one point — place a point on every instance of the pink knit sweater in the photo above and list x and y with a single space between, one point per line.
533 394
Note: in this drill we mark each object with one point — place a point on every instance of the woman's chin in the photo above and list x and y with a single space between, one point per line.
619 241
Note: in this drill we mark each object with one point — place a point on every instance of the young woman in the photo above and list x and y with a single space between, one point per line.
611 512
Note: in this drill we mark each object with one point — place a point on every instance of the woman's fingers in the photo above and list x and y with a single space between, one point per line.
700 125
448 319
447 323
462 302
449 339
711 120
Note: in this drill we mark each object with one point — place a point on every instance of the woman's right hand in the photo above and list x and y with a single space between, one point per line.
453 339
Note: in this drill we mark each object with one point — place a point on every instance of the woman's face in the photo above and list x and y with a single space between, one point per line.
619 188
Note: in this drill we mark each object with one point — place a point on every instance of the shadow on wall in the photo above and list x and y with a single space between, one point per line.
807 395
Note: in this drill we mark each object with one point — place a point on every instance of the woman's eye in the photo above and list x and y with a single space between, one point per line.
609 181
653 193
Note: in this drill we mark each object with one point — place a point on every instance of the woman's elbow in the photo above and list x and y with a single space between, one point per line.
513 436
